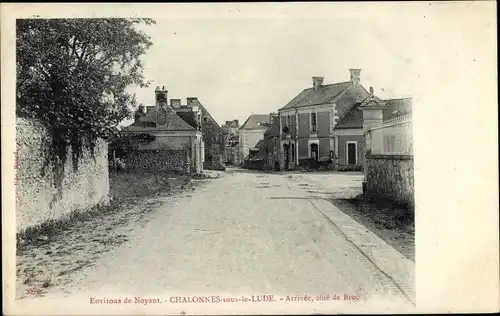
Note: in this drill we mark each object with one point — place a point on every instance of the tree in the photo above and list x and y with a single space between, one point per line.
72 75
140 111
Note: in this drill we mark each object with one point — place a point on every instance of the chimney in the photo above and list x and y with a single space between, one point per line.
317 82
161 96
355 77
175 103
371 92
237 122
190 100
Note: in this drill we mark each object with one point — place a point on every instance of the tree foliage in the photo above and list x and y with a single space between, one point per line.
73 74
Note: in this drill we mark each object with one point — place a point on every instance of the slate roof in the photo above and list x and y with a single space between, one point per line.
274 129
256 121
188 117
324 94
395 107
147 122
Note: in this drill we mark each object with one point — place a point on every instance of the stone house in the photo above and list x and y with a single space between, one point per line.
163 141
272 143
251 132
232 141
213 136
325 123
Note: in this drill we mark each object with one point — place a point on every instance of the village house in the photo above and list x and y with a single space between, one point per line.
160 140
232 141
325 123
251 132
213 135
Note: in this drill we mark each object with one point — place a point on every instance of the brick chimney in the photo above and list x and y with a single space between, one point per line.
175 103
355 75
161 96
317 82
190 100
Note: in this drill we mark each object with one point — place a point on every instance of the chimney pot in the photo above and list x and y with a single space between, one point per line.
190 100
317 82
175 103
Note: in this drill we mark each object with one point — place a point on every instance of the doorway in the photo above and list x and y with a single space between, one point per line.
351 153
315 152
286 153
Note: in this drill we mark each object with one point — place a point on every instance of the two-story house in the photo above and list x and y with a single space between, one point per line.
214 155
325 122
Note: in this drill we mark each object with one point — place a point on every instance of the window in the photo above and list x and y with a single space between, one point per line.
313 122
293 153
288 120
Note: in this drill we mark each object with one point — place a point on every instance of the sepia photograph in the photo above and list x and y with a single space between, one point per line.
212 162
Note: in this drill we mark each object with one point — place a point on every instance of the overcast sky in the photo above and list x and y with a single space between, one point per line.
238 64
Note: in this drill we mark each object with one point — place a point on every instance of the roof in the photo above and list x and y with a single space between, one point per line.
324 94
147 122
274 128
256 121
395 107
188 116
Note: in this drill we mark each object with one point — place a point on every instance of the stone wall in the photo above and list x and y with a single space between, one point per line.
158 161
390 177
38 198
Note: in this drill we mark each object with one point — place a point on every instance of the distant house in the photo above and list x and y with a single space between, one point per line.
251 132
160 140
272 143
232 141
213 139
325 122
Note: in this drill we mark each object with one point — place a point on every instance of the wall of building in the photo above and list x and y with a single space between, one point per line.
303 148
38 197
323 123
166 142
214 138
303 124
248 139
390 177
159 161
342 161
324 148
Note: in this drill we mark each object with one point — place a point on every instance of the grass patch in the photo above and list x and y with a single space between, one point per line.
393 223
123 187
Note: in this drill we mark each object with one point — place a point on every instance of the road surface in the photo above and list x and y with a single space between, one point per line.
245 233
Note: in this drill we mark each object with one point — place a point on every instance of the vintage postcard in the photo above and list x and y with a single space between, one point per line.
249 158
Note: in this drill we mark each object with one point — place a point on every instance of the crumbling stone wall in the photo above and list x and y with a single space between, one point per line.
158 161
38 199
390 177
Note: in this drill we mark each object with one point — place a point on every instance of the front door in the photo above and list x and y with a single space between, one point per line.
351 153
314 152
